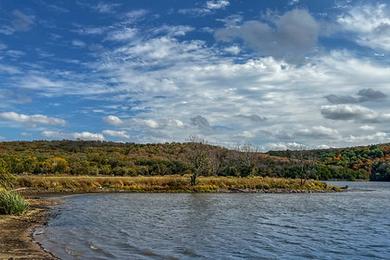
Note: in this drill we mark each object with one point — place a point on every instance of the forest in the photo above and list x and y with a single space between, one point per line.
130 159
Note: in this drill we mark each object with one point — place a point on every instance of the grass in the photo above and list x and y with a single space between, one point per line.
12 203
81 184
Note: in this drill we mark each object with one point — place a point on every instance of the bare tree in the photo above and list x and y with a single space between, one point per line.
248 158
306 163
198 158
216 159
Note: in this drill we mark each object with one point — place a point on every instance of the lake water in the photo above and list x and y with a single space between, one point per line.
350 225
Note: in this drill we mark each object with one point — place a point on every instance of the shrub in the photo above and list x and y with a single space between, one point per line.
12 203
6 178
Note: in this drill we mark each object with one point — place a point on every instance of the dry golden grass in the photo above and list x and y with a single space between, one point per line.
82 184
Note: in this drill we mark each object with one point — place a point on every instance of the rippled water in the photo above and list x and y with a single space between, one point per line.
350 225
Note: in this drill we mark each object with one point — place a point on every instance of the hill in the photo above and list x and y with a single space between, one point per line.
118 159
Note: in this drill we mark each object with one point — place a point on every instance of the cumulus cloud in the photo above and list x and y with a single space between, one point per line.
113 120
370 94
319 132
378 137
363 95
31 119
148 122
234 49
115 133
367 127
151 123
155 86
350 112
86 136
285 146
293 34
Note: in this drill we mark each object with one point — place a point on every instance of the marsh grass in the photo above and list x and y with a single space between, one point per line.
12 203
167 184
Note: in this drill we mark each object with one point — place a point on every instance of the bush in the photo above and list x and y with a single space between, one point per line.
12 203
5 177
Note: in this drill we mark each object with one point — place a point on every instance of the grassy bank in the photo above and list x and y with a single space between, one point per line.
81 184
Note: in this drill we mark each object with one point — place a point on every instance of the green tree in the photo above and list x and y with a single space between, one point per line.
57 165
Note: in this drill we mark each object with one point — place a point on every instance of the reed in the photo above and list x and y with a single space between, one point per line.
12 203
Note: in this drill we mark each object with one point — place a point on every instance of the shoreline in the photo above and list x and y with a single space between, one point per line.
17 236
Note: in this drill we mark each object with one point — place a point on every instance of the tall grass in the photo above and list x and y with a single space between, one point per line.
12 203
166 184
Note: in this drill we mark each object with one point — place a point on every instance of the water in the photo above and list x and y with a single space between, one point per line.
350 225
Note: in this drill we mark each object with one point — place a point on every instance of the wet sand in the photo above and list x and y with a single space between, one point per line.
16 236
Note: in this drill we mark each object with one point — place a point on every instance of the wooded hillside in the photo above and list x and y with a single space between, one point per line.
117 159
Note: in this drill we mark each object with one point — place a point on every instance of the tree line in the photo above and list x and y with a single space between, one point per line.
194 157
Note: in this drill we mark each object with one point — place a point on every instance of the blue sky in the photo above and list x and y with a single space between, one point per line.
275 74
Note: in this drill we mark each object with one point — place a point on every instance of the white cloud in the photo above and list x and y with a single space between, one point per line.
217 4
210 7
191 79
319 131
285 146
124 34
84 30
113 120
31 119
235 50
157 84
151 123
114 133
173 31
367 127
86 136
378 137
371 24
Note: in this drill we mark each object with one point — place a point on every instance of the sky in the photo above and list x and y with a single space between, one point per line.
274 74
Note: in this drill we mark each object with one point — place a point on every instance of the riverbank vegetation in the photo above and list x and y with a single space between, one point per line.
12 203
82 184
